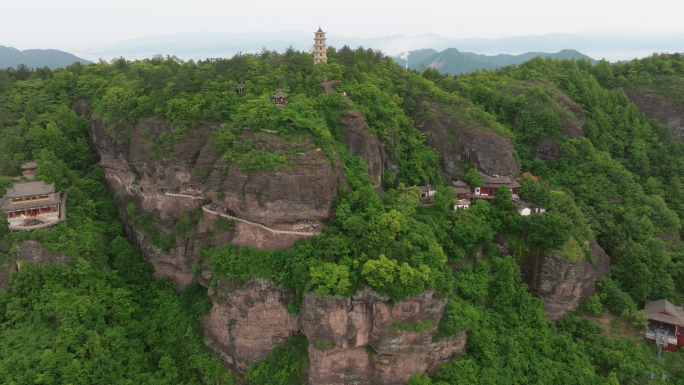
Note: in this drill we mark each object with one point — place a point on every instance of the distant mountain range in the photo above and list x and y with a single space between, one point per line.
453 62
202 45
35 58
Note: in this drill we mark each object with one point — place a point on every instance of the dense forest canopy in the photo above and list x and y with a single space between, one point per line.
102 318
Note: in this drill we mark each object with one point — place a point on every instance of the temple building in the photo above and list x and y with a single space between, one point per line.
320 49
240 88
33 205
665 319
492 184
29 170
427 193
280 99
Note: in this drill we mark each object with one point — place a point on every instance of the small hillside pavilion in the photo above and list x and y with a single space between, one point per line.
29 170
664 317
33 205
240 88
320 49
280 99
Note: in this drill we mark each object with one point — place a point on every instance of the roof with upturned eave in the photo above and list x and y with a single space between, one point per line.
8 206
29 165
279 95
28 189
653 308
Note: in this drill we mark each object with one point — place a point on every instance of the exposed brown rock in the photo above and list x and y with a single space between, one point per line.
346 327
247 320
364 144
560 284
82 107
658 107
33 252
489 152
547 149
573 128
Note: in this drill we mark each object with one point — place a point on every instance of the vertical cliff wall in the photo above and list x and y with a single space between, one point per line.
560 283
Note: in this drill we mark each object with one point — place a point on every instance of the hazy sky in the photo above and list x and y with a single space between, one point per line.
91 23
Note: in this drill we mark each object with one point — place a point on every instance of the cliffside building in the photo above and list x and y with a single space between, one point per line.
320 49
526 209
492 184
280 99
33 205
666 320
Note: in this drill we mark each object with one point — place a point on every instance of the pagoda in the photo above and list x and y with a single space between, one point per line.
320 51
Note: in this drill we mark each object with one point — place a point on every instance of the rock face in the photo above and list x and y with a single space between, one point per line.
30 252
571 127
658 107
361 143
489 152
560 284
351 340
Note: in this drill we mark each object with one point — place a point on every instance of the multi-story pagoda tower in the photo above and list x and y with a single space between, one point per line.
320 49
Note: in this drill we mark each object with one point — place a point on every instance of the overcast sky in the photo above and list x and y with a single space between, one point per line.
77 24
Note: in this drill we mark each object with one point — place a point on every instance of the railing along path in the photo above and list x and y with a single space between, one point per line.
205 209
276 231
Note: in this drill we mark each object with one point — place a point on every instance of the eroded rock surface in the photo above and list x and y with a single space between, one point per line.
351 340
658 107
489 152
33 252
362 143
559 283
573 127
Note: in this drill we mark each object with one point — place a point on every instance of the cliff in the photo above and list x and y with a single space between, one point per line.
29 252
665 111
361 143
488 151
559 282
351 340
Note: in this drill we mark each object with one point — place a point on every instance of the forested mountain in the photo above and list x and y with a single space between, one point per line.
183 194
36 58
451 61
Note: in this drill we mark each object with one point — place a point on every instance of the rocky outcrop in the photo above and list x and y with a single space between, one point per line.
489 152
546 149
572 127
33 252
362 143
355 336
561 284
351 340
658 107
139 167
247 320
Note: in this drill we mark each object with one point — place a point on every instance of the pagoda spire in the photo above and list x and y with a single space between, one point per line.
320 48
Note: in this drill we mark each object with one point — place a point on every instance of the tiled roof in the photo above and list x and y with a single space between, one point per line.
29 165
653 309
279 95
7 206
29 189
